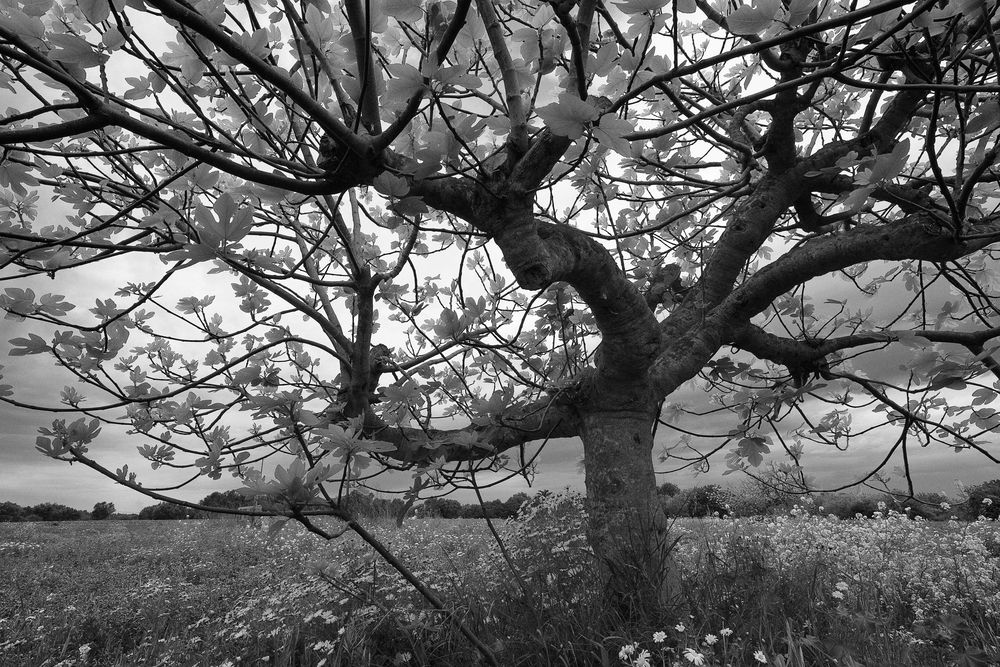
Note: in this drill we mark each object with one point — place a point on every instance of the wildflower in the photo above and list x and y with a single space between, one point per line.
659 637
759 656
679 627
837 595
842 586
641 660
945 507
711 639
726 632
627 651
694 657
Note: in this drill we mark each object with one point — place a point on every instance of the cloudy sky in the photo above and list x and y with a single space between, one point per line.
28 477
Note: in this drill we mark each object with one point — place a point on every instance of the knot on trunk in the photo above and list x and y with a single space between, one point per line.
345 167
526 254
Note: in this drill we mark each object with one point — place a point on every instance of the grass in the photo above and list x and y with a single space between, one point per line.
797 590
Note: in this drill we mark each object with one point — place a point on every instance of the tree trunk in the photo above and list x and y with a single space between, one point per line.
627 527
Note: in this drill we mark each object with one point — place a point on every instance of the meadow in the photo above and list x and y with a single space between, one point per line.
800 589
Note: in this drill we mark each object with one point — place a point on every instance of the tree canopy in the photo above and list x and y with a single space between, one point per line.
427 236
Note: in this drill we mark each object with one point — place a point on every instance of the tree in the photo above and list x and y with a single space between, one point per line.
231 499
700 501
514 503
445 508
102 510
52 512
11 512
668 490
165 511
432 235
984 500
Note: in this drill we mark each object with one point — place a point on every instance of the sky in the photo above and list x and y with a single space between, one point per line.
27 477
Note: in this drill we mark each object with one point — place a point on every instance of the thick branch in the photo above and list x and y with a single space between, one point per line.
364 54
51 132
512 90
540 253
799 354
540 420
919 236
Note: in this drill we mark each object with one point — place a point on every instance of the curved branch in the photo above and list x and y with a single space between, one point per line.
540 253
541 420
919 236
799 354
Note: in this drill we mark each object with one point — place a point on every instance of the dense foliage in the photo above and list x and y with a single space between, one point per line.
42 512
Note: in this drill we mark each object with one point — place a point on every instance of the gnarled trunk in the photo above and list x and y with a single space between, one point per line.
627 527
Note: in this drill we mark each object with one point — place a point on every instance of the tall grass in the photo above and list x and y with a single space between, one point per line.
794 590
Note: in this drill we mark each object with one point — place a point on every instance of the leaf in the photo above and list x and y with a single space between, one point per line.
947 380
753 450
246 375
887 166
986 118
95 10
747 20
567 117
406 82
876 25
54 304
27 27
449 325
641 6
33 344
35 7
611 132
55 447
403 10
983 396
17 303
390 185
74 50
113 38
798 11
457 76
857 198
408 393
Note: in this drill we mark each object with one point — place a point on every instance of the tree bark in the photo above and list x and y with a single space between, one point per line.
626 525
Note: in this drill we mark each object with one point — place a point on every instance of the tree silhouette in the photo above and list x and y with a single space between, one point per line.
429 236
102 510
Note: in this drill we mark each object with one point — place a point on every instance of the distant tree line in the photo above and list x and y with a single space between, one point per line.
750 499
54 512
757 499
448 508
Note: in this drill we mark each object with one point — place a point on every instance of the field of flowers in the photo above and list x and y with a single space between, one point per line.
798 590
